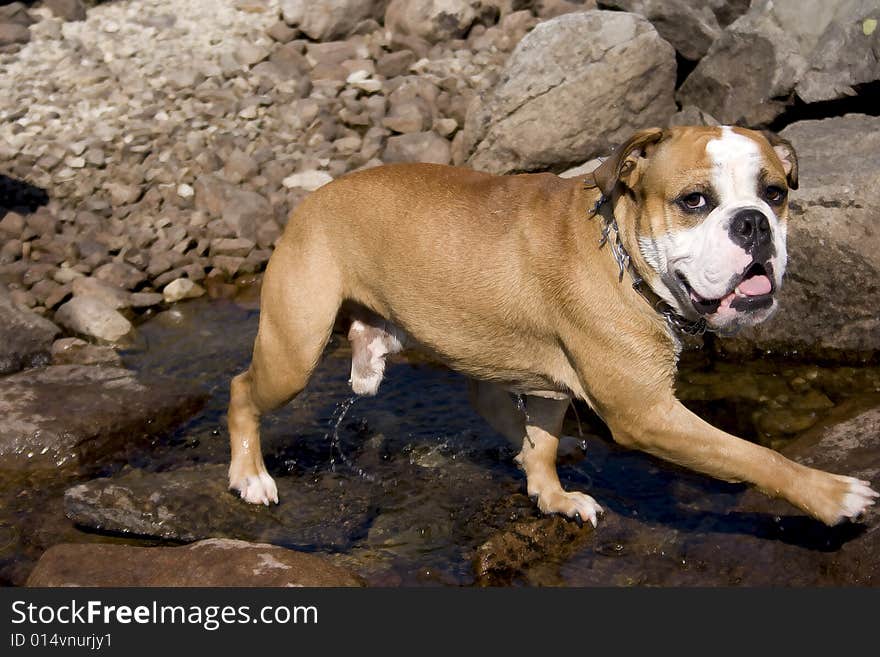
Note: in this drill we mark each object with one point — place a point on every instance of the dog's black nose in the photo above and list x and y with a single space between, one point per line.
750 229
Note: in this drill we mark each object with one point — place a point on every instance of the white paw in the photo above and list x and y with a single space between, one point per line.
572 505
858 498
256 489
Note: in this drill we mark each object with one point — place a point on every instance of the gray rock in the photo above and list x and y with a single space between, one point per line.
690 28
233 247
15 12
13 34
829 300
92 318
417 147
66 418
211 562
329 19
69 10
190 504
395 63
547 113
120 274
818 49
435 20
25 337
845 54
180 289
244 210
110 295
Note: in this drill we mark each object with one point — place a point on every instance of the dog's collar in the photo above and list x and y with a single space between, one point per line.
624 263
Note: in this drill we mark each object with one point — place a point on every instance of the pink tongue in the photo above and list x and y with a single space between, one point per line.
755 286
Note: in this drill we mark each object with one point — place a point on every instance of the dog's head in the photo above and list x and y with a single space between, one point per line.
706 207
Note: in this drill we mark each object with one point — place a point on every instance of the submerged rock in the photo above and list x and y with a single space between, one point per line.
68 417
211 562
194 503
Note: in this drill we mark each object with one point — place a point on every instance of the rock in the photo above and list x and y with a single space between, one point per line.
544 113
73 351
190 504
525 543
110 295
120 274
25 337
435 20
15 12
233 247
830 296
326 20
67 417
845 54
779 46
395 63
690 28
307 180
180 289
211 562
244 210
13 34
281 33
68 10
145 299
92 318
417 147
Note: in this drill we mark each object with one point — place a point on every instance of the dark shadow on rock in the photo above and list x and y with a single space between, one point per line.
20 196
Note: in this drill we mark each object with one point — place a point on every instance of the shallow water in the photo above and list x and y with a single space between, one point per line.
437 481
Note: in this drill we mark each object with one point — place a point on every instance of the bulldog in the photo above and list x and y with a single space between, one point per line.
544 287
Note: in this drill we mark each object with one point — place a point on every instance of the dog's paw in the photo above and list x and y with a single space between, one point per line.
858 497
256 489
838 498
577 506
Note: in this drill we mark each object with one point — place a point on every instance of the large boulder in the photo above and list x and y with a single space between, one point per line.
77 418
572 88
212 562
690 29
25 337
436 20
326 20
815 49
829 300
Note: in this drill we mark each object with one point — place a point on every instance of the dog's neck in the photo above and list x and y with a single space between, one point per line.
624 249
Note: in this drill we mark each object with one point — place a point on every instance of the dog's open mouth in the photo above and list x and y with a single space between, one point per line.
754 291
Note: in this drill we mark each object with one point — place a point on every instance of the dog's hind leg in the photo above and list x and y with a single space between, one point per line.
299 302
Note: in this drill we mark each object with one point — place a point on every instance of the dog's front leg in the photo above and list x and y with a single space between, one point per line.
538 459
667 429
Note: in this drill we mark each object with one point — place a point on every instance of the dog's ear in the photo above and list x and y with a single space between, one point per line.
607 174
785 151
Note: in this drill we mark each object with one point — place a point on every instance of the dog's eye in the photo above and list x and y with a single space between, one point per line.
694 201
774 194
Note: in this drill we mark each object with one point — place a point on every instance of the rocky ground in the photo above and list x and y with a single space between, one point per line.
151 152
